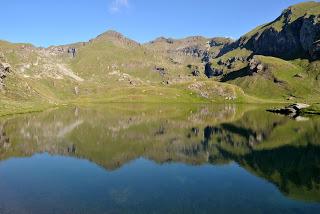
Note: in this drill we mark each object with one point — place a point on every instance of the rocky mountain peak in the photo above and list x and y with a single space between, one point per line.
163 40
111 33
116 38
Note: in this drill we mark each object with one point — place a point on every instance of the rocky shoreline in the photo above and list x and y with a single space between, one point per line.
295 110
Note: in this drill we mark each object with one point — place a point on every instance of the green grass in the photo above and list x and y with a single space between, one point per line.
282 80
10 107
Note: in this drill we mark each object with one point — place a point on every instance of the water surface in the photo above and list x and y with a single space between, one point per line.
159 159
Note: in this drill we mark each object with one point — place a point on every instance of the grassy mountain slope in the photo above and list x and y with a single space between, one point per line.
258 61
109 68
113 68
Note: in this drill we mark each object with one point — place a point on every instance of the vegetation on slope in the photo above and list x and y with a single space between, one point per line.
113 68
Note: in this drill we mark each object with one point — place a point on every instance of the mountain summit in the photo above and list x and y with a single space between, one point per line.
116 38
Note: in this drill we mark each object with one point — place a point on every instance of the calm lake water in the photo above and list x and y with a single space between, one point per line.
159 159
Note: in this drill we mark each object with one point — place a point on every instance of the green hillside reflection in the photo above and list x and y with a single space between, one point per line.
283 151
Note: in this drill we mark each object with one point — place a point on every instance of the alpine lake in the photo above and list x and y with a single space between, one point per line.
144 158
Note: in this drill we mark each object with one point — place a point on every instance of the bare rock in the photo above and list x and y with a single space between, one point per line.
194 70
4 71
256 66
195 73
72 52
293 110
299 106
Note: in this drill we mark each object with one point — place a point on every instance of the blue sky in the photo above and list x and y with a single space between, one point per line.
52 22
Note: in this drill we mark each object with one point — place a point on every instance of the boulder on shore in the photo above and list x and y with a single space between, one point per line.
293 110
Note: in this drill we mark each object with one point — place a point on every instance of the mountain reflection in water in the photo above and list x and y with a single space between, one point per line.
284 152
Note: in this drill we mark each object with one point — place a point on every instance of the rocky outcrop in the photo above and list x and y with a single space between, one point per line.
219 41
212 72
205 51
4 71
294 34
195 73
65 50
194 69
193 51
229 63
72 52
195 46
256 66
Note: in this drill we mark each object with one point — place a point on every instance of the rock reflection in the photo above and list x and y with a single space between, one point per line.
4 140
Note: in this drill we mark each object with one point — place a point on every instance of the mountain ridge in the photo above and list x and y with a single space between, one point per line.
276 62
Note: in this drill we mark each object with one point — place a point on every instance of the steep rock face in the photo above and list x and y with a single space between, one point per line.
309 31
292 35
285 44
